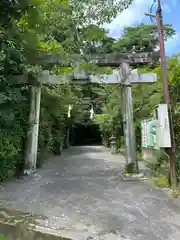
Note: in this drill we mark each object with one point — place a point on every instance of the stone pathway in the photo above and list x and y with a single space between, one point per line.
82 195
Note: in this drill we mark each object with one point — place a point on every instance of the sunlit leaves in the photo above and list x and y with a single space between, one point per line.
97 11
93 33
52 47
143 37
62 70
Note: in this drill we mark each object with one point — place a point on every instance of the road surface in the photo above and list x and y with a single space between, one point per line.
82 194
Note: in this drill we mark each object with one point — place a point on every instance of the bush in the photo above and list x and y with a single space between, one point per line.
178 163
10 157
160 166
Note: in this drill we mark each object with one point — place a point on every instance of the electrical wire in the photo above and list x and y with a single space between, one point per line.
151 17
151 9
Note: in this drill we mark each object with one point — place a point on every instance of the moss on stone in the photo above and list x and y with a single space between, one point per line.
131 169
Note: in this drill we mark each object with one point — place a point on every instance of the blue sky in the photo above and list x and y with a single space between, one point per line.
134 15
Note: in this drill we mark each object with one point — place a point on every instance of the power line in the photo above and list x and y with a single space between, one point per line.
151 11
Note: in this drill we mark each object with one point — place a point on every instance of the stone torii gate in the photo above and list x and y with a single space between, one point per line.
123 76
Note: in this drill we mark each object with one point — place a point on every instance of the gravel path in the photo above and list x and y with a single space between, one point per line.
82 194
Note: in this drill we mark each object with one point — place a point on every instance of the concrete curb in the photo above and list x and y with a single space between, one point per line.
17 232
17 225
133 177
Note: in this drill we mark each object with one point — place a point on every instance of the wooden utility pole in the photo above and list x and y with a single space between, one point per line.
172 150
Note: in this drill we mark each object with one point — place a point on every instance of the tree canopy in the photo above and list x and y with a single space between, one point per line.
144 37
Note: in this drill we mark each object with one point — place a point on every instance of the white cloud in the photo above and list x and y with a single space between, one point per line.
133 15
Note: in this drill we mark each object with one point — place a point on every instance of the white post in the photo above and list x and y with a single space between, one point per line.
32 138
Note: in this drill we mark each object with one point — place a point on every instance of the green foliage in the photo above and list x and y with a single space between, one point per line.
30 28
86 12
161 182
160 164
11 9
178 161
110 120
143 37
3 238
13 107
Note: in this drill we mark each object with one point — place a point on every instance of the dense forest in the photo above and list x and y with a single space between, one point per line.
57 27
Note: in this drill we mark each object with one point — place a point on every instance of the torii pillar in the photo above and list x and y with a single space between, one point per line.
127 78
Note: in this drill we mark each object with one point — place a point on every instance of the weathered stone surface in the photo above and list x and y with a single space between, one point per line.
110 59
17 225
82 196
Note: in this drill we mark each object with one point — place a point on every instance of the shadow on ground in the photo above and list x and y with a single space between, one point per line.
75 150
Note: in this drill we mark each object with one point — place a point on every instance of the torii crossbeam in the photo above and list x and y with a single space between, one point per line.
106 60
121 76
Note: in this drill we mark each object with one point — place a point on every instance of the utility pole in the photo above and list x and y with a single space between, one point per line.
172 150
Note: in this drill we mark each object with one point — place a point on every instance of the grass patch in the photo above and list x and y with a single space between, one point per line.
161 181
3 238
